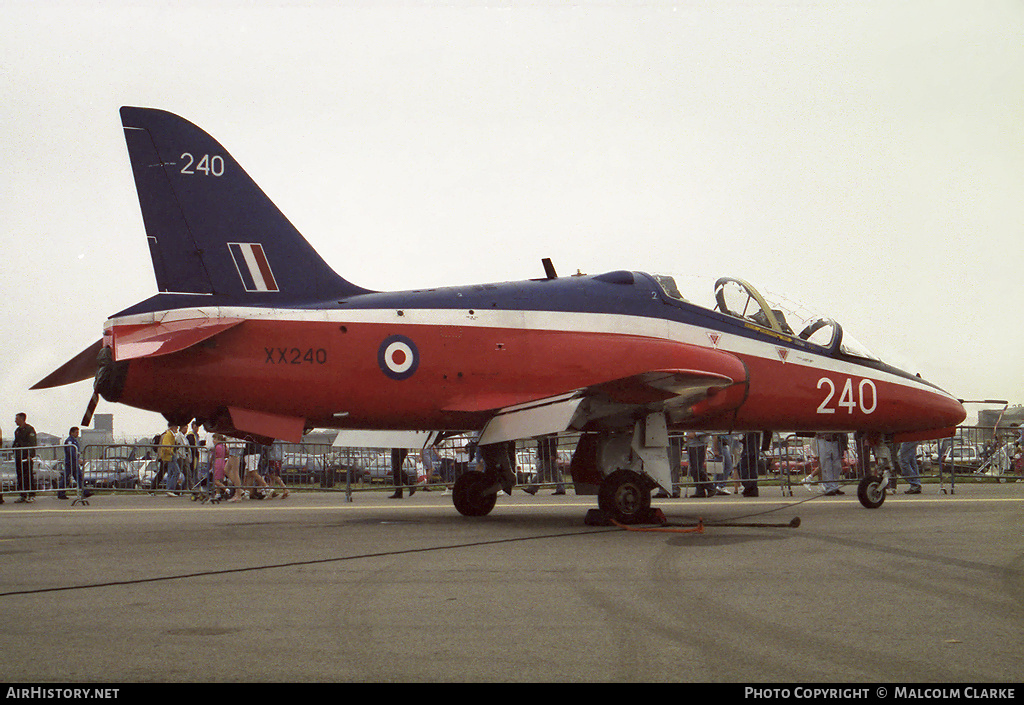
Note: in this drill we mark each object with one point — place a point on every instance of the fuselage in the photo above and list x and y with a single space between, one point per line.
447 358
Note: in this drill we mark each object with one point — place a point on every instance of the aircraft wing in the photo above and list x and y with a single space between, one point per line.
681 393
674 387
153 339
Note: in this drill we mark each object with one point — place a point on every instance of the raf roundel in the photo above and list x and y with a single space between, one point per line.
398 357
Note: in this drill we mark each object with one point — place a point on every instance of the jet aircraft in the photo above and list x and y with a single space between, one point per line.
252 333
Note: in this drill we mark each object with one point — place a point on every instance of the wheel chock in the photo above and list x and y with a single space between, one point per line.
599 517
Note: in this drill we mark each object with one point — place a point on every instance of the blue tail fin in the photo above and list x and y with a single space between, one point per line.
211 229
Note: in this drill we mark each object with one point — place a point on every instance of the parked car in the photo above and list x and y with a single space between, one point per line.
378 469
794 460
965 458
8 476
302 469
146 470
47 474
110 473
794 465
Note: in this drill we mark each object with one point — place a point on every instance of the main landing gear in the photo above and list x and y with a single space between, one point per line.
625 497
475 494
621 468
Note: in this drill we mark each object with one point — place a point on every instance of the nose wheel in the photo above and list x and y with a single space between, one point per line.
871 491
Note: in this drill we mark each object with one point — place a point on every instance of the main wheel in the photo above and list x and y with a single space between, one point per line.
871 491
625 496
469 497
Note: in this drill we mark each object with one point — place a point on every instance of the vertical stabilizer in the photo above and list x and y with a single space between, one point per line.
211 229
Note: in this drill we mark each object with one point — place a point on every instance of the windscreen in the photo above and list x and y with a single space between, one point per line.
737 298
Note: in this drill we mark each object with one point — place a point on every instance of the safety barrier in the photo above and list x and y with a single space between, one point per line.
41 473
981 453
789 461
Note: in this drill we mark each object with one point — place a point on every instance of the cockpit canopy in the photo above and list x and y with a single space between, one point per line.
739 299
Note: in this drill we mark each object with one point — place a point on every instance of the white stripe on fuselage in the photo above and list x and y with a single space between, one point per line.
554 321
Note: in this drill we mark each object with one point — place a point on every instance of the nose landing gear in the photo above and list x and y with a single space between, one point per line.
871 490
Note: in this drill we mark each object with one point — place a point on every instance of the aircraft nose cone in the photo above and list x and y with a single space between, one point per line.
950 412
957 417
934 411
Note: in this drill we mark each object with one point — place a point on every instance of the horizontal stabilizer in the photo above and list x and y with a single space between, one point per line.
81 367
153 339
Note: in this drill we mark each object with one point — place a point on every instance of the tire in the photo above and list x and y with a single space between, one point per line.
468 495
625 496
871 492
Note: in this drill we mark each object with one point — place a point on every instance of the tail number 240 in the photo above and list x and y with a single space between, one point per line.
866 394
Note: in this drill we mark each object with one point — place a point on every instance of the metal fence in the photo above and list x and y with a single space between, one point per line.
979 453
43 471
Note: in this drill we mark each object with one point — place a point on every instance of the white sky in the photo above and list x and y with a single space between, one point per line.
863 157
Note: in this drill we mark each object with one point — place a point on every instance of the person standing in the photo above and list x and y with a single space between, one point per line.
274 456
24 443
180 463
398 456
164 455
724 446
431 461
748 463
72 464
547 465
830 461
696 451
909 467
192 471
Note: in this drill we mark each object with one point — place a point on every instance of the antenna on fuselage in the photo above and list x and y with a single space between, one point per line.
549 269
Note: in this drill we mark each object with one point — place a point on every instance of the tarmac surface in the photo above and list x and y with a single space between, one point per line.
139 588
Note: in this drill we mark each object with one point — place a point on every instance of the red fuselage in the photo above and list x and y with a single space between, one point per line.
445 368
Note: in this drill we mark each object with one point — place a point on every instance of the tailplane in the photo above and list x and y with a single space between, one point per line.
211 229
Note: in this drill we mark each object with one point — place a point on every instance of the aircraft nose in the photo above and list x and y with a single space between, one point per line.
933 411
957 413
947 411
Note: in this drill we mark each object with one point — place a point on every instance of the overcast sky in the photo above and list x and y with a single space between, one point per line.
866 158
